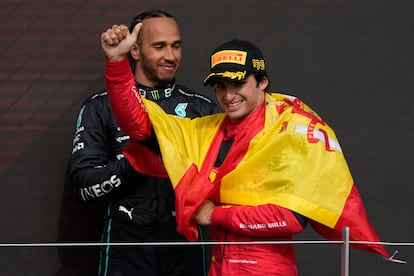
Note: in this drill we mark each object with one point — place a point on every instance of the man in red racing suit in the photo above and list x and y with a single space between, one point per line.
230 223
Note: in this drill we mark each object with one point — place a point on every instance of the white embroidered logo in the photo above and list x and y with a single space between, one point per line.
125 210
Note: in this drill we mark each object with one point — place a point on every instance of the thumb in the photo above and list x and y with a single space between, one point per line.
135 31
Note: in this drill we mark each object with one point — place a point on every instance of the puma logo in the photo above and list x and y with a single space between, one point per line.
125 210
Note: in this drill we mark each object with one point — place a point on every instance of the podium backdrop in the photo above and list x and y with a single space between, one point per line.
351 61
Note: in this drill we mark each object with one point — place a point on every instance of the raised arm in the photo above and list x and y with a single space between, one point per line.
123 95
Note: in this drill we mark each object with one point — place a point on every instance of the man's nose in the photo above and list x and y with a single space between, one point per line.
169 53
230 92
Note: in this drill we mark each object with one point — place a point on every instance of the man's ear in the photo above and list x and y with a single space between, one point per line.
264 83
135 52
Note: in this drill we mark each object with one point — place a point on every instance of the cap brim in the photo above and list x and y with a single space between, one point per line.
208 79
236 76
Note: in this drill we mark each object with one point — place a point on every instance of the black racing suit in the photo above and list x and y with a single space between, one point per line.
141 207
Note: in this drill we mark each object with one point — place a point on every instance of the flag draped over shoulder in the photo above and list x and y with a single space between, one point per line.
295 162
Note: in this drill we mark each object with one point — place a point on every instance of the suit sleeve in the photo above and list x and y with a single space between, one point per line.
96 166
126 101
267 220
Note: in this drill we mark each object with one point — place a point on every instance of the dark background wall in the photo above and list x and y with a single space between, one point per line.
351 61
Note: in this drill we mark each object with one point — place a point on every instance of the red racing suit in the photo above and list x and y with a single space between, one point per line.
229 223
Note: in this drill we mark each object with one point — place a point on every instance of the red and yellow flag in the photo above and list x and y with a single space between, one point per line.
294 161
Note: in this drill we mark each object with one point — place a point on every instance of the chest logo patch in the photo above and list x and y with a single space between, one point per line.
180 109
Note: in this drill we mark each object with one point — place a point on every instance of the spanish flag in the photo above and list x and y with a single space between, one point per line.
294 160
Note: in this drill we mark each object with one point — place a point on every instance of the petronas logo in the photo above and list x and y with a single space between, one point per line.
155 94
79 120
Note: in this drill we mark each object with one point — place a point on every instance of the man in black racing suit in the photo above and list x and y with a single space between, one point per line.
140 207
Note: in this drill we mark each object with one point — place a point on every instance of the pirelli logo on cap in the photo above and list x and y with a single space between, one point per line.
229 56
